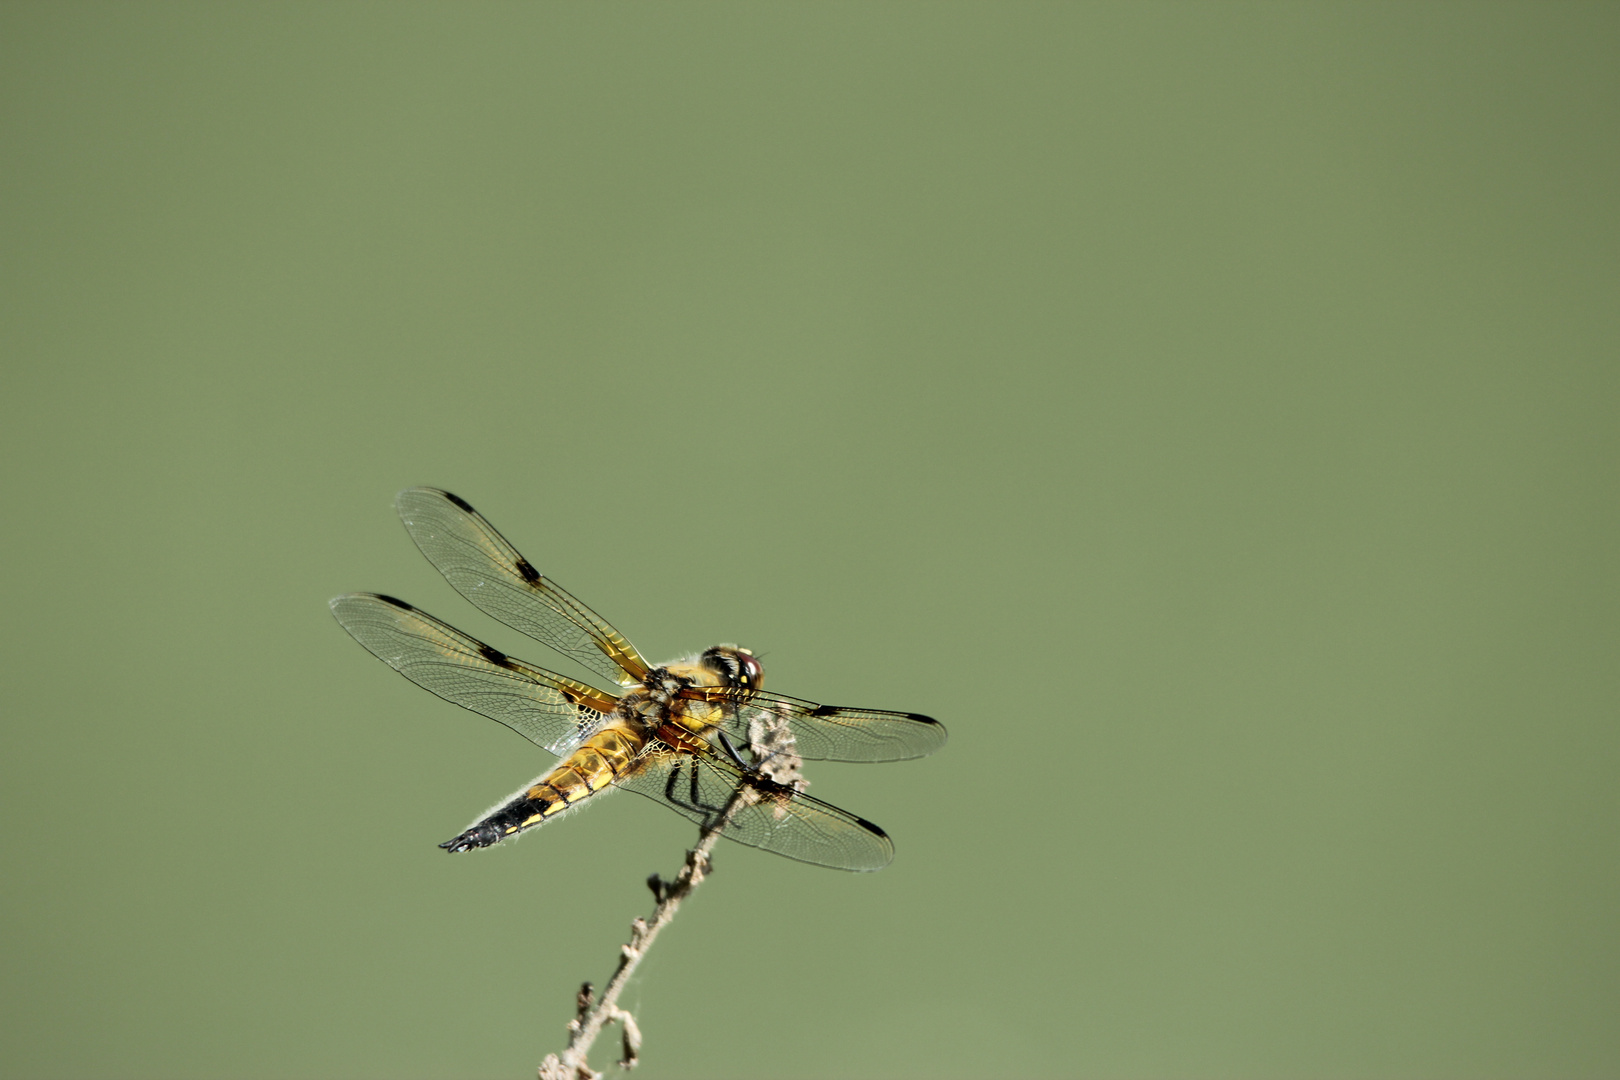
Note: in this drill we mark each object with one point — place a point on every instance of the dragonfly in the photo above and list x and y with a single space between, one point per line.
676 733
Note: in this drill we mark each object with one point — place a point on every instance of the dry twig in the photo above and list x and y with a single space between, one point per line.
593 1015
772 747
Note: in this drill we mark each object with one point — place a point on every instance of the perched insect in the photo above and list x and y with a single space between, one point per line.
673 732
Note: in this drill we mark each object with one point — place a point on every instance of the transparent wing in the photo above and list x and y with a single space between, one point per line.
547 709
759 812
483 567
830 732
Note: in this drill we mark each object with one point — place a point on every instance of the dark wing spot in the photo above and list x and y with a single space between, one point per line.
824 710
530 574
494 656
869 827
459 502
921 719
402 605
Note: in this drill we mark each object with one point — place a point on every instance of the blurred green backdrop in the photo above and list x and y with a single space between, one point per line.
1207 410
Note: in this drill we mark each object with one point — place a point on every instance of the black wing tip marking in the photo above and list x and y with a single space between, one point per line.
927 721
930 721
479 836
390 600
449 496
833 710
455 500
870 827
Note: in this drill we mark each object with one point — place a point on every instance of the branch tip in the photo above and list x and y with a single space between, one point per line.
632 1040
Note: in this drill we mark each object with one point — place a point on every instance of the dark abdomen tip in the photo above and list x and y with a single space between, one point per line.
476 837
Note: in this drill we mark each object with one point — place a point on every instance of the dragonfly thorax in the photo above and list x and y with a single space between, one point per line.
656 695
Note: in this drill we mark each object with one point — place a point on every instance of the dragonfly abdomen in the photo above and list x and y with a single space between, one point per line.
601 761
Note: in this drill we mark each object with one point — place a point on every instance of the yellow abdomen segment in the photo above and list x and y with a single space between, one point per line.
599 762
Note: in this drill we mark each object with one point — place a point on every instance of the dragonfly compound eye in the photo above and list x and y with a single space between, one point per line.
736 667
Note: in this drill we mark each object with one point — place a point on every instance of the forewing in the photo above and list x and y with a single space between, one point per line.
545 708
758 812
832 732
483 567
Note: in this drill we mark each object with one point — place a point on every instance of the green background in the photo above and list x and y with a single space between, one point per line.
1208 411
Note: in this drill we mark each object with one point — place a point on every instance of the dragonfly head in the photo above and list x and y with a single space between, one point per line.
737 667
